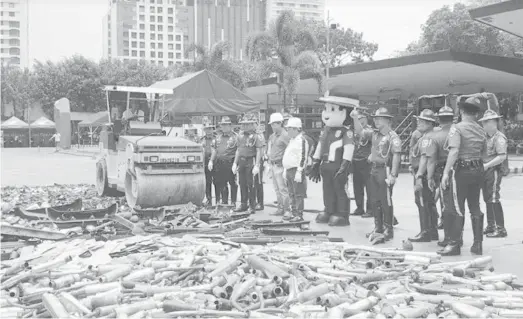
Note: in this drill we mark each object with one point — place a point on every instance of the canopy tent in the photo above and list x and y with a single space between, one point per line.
439 72
506 16
95 120
204 93
43 122
14 123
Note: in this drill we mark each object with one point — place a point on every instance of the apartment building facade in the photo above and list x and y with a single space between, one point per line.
303 9
14 22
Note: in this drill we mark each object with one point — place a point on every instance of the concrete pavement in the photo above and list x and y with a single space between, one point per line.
32 167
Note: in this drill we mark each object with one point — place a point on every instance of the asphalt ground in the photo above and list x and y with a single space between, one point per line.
44 166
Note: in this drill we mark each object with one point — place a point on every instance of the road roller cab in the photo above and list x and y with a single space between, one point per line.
138 159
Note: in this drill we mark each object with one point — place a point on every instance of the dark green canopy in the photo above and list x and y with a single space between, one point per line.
204 93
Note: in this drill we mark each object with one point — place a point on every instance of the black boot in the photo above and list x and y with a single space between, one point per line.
387 223
447 222
323 218
500 231
424 235
338 221
453 248
477 229
378 223
491 221
358 212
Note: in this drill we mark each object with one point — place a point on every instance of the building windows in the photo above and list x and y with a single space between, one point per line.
160 46
160 37
153 54
152 18
153 36
142 9
11 5
160 62
178 38
178 46
134 44
160 28
170 20
14 24
142 45
134 53
152 27
142 36
142 17
160 10
11 14
153 45
151 10
170 11
170 29
133 35
185 38
125 34
170 37
170 46
171 55
142 26
178 56
142 54
152 1
159 1
126 52
160 55
160 19
126 44
171 63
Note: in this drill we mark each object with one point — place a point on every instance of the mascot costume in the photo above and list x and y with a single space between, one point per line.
333 155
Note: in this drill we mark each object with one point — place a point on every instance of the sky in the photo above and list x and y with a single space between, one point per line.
61 28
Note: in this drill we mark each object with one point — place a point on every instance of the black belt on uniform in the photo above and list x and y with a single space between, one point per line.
244 158
374 164
277 163
469 163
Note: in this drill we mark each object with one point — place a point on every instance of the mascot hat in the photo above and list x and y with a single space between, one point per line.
340 95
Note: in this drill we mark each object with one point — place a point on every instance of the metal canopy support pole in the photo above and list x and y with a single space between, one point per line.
128 100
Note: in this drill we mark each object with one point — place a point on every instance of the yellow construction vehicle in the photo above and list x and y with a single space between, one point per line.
137 157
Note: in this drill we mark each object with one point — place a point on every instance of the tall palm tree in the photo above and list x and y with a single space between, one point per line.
214 61
287 51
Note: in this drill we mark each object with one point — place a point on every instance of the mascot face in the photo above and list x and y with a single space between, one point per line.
333 115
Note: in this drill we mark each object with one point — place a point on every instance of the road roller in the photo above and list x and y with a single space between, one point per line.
137 157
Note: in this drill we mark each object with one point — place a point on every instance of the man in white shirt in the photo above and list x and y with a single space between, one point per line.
133 114
294 163
56 137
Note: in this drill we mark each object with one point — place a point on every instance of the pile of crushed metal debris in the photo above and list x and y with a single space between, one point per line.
67 253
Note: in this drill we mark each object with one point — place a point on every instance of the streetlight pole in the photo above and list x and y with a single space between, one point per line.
328 52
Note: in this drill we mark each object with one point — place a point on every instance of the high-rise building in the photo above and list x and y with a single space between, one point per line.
143 30
303 9
209 21
14 22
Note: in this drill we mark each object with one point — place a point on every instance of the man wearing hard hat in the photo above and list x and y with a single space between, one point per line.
276 146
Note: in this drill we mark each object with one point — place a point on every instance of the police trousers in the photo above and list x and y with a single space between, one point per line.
491 184
381 196
246 180
426 204
335 196
258 185
296 191
224 178
360 180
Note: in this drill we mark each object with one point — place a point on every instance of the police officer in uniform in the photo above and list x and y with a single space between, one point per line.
435 150
258 179
464 170
424 198
496 155
207 142
222 158
385 162
361 167
247 162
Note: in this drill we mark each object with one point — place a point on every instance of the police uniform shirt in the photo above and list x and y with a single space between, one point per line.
277 145
383 145
208 144
363 143
469 138
434 145
226 145
248 143
496 145
333 142
415 148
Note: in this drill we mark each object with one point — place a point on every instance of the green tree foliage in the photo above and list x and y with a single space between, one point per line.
17 85
287 50
344 44
215 60
453 28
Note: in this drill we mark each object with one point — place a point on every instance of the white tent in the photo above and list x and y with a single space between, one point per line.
14 122
43 122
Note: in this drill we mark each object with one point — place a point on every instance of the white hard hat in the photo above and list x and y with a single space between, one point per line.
294 122
275 117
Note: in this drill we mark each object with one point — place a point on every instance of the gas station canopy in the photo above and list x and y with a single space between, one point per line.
440 72
506 16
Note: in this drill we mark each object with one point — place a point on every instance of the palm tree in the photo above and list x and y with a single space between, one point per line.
214 61
286 51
